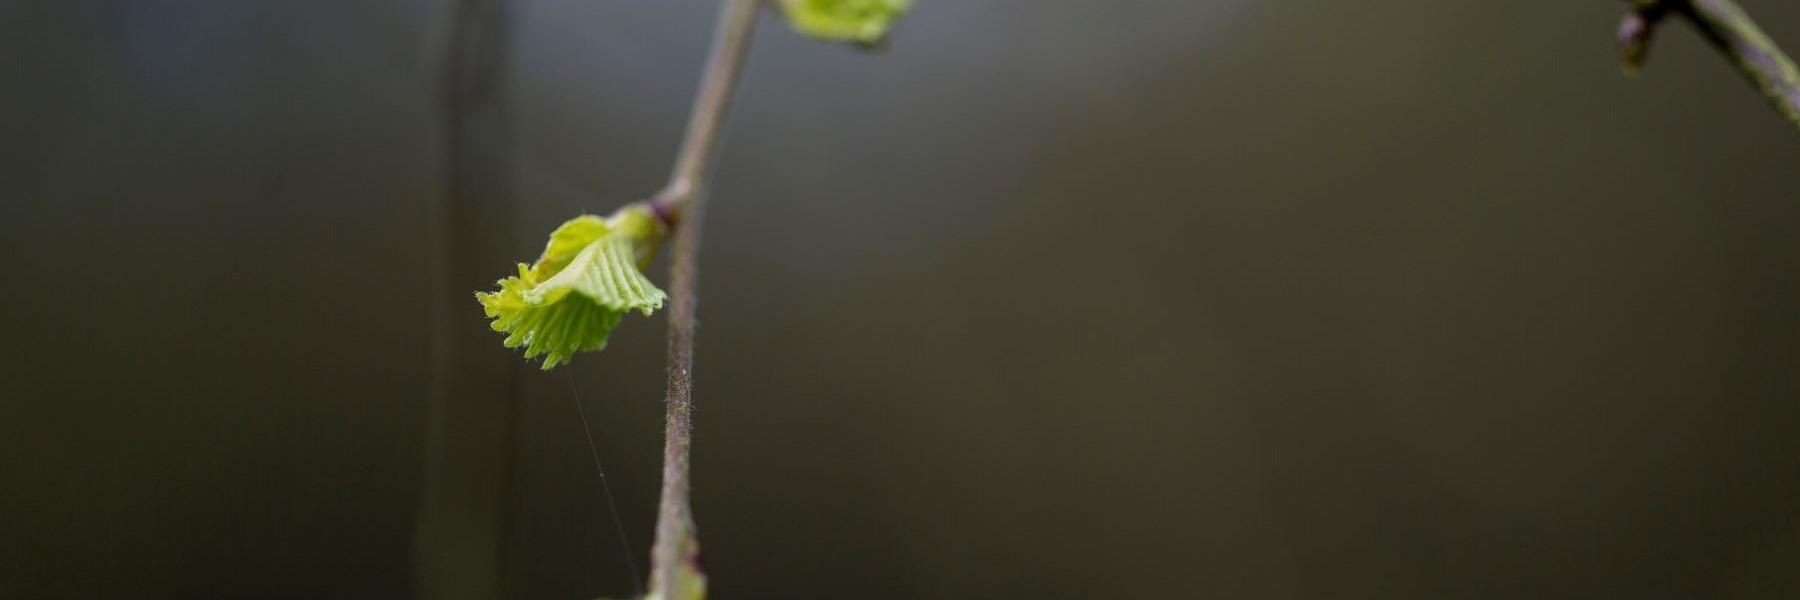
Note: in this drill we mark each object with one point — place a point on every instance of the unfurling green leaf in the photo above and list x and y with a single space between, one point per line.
859 21
580 288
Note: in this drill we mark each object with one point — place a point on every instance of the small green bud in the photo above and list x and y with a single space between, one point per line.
580 288
858 21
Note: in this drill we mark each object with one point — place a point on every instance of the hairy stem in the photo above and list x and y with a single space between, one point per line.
681 203
1724 24
731 43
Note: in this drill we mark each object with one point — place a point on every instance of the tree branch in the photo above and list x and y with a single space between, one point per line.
731 43
1733 32
681 204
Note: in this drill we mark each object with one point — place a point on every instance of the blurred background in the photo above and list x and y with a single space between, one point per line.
1067 299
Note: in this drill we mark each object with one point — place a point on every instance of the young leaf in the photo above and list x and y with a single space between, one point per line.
580 288
858 21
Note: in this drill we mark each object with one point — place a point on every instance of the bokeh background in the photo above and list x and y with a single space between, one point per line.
1058 299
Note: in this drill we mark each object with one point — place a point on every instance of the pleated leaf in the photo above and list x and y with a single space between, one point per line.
858 21
567 241
579 289
606 273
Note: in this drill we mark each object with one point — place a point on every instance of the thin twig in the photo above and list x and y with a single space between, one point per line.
731 43
1733 32
681 203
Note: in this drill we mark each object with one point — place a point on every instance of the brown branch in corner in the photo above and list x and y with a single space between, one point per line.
1733 32
682 203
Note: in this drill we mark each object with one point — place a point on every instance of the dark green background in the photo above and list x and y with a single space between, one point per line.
1235 299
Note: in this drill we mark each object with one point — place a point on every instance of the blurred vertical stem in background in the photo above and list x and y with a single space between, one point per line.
1733 32
674 558
462 529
